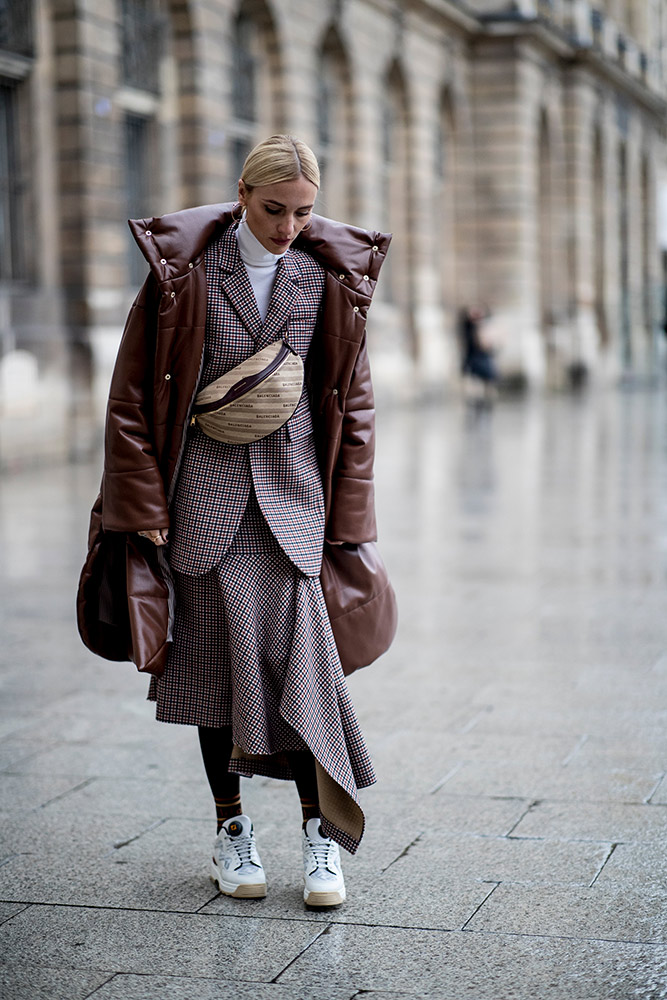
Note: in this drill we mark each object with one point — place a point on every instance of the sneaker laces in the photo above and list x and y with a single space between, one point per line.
245 849
321 853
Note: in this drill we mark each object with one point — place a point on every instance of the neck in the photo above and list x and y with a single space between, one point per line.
252 251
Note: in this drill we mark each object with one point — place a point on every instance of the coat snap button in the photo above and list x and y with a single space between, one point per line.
375 249
334 392
342 277
366 278
173 295
163 261
356 309
148 232
167 377
190 264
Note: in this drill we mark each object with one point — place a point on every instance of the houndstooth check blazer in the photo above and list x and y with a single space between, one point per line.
215 479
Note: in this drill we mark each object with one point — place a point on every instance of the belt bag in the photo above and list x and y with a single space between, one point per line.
253 399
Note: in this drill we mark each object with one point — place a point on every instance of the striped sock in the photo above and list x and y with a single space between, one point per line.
226 808
310 809
303 770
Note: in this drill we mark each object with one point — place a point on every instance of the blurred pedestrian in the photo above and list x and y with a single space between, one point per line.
478 365
217 455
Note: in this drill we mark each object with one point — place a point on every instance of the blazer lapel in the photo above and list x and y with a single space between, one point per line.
284 295
235 283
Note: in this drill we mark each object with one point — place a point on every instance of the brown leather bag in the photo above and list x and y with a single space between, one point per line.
122 579
361 603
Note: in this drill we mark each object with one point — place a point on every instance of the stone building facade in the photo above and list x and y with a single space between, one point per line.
514 149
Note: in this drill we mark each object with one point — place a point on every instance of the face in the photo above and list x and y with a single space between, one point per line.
276 213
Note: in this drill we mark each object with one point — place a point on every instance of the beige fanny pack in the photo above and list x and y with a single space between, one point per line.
254 399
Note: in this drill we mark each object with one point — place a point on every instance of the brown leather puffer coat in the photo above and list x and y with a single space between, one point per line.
124 603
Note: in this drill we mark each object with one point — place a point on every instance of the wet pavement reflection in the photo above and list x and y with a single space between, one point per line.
515 839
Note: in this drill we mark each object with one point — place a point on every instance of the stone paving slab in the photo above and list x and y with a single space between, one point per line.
604 913
32 983
611 822
8 910
14 751
158 876
551 718
400 897
70 937
506 778
637 866
483 745
23 793
660 796
492 816
123 987
485 966
504 859
57 828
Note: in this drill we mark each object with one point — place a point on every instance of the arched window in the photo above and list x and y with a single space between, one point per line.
334 131
623 221
143 26
17 50
396 197
445 177
143 39
647 270
599 239
244 89
255 83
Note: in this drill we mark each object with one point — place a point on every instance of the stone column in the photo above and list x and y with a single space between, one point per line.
201 39
434 359
580 99
505 89
90 172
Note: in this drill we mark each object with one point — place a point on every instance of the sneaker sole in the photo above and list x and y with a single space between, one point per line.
251 890
324 898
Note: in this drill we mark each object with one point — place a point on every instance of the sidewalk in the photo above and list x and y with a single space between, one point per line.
516 845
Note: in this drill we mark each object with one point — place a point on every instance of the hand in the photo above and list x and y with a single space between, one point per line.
159 536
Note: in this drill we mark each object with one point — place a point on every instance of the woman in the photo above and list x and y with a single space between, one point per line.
244 648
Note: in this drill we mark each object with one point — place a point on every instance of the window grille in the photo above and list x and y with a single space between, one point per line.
137 184
245 69
16 29
12 188
142 42
325 96
244 75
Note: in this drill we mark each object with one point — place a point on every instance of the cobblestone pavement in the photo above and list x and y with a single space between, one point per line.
517 834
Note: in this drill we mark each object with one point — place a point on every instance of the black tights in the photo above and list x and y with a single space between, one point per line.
216 748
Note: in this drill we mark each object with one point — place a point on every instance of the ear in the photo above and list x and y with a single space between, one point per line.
242 192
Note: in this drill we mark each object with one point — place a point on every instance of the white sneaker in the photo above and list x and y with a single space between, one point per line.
235 867
324 884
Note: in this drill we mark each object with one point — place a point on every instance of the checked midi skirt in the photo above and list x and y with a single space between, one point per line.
253 648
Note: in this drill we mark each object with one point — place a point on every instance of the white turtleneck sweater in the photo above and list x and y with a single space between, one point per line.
260 264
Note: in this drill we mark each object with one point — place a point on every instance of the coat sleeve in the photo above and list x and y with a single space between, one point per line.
133 493
352 517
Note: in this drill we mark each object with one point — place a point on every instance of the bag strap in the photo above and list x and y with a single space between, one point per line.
246 384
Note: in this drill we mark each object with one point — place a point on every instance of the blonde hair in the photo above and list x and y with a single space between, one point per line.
280 158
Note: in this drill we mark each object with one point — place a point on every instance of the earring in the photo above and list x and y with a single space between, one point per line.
241 215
